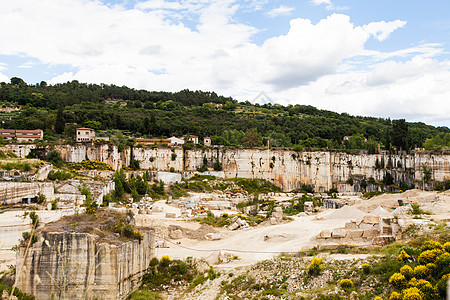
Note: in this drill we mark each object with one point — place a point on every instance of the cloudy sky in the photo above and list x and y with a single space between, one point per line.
374 57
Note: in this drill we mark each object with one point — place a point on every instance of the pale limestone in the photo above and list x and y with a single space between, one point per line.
75 266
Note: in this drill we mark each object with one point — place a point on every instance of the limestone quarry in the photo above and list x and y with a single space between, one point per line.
75 258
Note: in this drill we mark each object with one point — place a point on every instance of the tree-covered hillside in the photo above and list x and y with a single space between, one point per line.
56 109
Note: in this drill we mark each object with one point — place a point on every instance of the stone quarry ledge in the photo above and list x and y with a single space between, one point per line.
83 265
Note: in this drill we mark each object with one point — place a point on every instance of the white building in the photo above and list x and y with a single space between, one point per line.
85 134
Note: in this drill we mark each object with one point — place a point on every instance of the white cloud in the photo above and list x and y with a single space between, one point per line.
325 64
283 10
382 30
328 5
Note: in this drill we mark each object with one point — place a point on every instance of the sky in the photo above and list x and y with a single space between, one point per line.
376 58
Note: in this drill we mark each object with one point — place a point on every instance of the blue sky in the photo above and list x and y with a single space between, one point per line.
377 58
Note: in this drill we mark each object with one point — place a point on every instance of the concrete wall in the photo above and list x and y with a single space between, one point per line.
286 169
76 266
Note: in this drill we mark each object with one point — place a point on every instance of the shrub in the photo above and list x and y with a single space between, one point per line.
421 272
441 286
165 261
346 284
316 266
397 280
427 289
407 271
412 294
366 268
416 210
429 256
402 256
443 262
41 198
377 298
395 296
447 246
431 245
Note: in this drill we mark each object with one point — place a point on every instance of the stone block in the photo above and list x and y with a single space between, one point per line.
213 236
355 234
382 240
366 226
273 221
339 233
371 219
351 225
278 209
176 234
171 215
370 233
325 234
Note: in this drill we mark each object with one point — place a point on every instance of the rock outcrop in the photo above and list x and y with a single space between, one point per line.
76 266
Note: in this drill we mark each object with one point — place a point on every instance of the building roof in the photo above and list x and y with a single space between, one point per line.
20 131
84 128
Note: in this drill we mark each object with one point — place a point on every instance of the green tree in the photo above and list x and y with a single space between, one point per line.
400 137
60 122
252 138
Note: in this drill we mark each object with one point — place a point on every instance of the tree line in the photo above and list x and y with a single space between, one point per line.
58 109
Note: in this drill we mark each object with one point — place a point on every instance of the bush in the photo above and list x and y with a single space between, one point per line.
416 210
407 271
421 272
54 158
441 286
60 175
397 280
429 256
402 256
316 266
346 284
427 289
431 245
395 296
447 246
366 268
412 294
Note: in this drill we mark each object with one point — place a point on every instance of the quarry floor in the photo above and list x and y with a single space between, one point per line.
240 247
265 241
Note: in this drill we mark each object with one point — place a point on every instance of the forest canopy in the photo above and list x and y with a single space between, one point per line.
58 109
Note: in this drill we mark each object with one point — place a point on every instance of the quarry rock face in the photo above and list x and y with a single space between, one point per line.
287 169
75 266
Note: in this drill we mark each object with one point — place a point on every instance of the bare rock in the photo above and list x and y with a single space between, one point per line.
339 233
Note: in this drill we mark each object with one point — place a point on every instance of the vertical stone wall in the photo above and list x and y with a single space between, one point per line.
75 266
286 169
12 192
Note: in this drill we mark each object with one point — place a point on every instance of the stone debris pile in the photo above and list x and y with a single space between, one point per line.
379 227
238 223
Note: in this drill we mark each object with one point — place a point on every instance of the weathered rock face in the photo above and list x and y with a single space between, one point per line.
13 192
76 266
286 169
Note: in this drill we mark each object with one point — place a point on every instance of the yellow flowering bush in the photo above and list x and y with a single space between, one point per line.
407 271
366 268
316 266
402 256
429 256
397 279
421 272
447 246
431 245
395 296
427 289
346 283
412 294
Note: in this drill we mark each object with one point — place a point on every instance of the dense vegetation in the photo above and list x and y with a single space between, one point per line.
57 108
